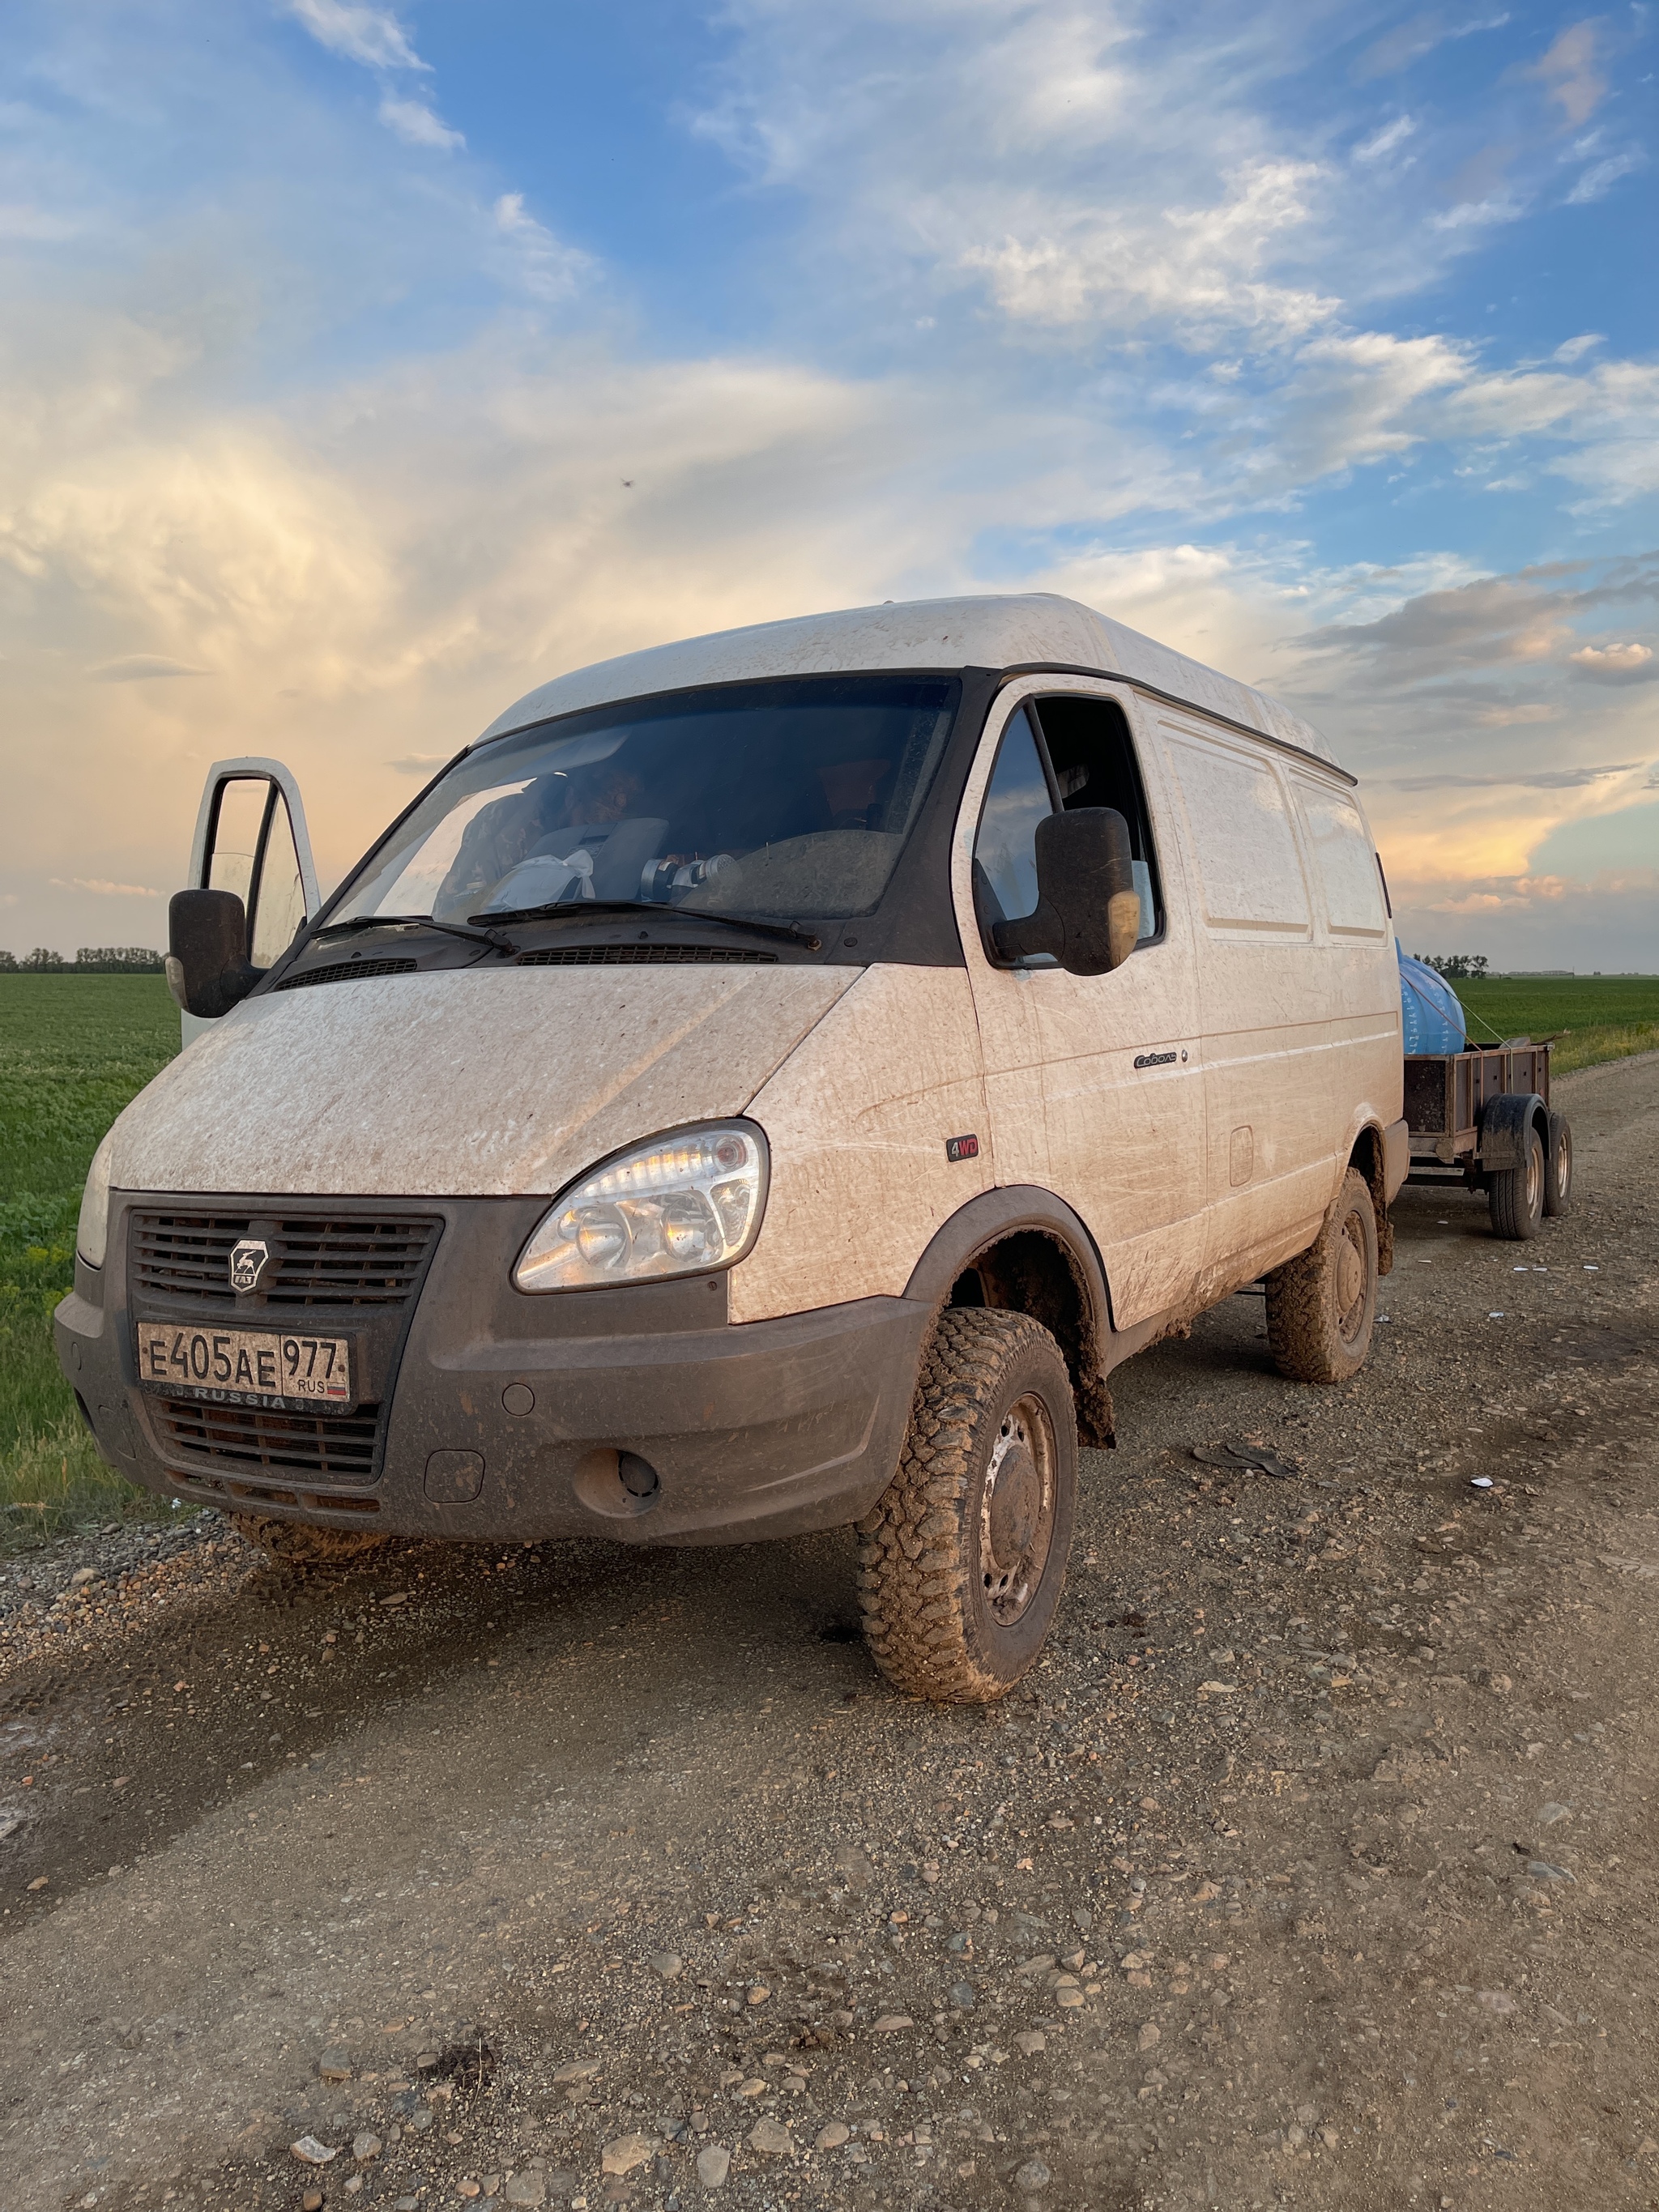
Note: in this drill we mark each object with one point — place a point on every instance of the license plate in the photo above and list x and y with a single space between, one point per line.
245 1365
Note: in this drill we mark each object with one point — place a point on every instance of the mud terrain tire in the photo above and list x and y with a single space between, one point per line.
1322 1305
962 1560
296 1543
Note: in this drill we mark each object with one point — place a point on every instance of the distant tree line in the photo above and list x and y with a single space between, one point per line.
90 960
1456 966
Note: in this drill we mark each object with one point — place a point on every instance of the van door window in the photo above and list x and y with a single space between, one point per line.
1093 758
1016 799
252 851
237 828
279 905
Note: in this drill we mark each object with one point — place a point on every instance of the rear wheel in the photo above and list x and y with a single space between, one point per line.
1516 1194
962 1558
297 1544
1557 1167
1321 1305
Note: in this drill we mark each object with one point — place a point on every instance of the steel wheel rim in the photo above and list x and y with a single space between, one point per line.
1562 1166
1350 1261
1534 1177
1017 1510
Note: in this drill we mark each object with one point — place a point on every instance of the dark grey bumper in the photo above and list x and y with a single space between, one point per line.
505 1416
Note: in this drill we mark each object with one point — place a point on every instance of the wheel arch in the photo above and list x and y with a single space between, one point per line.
1024 1250
1369 1154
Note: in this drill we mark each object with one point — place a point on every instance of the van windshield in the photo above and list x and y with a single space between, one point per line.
789 799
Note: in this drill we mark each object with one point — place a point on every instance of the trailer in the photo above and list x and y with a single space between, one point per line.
1481 1119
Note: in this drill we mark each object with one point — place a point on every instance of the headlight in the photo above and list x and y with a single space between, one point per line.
681 1205
91 1231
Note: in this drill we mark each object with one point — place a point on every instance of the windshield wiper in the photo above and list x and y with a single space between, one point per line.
580 909
413 921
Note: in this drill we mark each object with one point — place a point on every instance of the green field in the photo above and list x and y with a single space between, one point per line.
1603 1016
73 1050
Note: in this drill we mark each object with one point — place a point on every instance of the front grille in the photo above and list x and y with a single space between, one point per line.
629 956
267 1447
360 1260
345 971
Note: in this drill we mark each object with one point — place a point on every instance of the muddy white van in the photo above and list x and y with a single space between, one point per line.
764 1084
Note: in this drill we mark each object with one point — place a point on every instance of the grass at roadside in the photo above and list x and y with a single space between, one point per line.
73 1051
1604 1017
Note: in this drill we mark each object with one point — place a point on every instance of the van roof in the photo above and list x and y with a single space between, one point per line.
990 630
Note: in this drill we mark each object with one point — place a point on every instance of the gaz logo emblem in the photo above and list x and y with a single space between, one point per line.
248 1263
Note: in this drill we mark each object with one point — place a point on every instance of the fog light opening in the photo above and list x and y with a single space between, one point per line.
638 1478
618 1484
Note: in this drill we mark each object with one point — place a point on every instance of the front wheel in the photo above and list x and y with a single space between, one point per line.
1516 1194
962 1558
1321 1305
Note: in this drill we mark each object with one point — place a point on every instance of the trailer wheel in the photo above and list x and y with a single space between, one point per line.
1517 1193
962 1558
1321 1305
296 1543
1557 1167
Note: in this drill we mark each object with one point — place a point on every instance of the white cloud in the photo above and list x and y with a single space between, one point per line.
421 764
1392 135
1615 664
1598 180
544 265
141 668
100 889
414 122
1569 74
373 36
1575 349
1194 268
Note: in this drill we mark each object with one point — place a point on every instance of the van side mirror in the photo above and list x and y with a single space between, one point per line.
1088 910
208 967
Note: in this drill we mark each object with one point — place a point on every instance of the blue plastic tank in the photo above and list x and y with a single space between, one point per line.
1431 1016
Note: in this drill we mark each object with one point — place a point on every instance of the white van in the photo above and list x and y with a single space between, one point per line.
764 1084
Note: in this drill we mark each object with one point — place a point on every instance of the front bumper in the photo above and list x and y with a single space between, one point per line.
640 1414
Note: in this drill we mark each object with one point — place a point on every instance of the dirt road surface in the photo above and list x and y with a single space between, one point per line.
1313 1867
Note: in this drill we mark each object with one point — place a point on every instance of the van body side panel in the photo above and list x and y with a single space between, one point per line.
1275 1105
858 1119
1298 999
478 1082
1071 1110
1123 1087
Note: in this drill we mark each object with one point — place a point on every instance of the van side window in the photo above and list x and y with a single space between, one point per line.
1004 848
1093 758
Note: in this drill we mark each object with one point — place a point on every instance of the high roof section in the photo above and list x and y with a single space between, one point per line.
1007 630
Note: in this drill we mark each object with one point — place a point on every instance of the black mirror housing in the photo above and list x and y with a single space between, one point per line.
1088 910
208 972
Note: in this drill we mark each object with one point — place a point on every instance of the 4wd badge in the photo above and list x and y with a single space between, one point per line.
248 1263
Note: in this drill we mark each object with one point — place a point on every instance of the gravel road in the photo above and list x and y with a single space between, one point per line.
1313 1867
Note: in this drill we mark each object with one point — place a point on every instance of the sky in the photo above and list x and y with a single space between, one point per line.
360 367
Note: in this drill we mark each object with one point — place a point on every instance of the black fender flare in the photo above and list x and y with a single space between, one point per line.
986 1220
1504 1121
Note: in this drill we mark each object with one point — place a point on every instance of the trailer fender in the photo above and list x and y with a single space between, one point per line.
1504 1121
